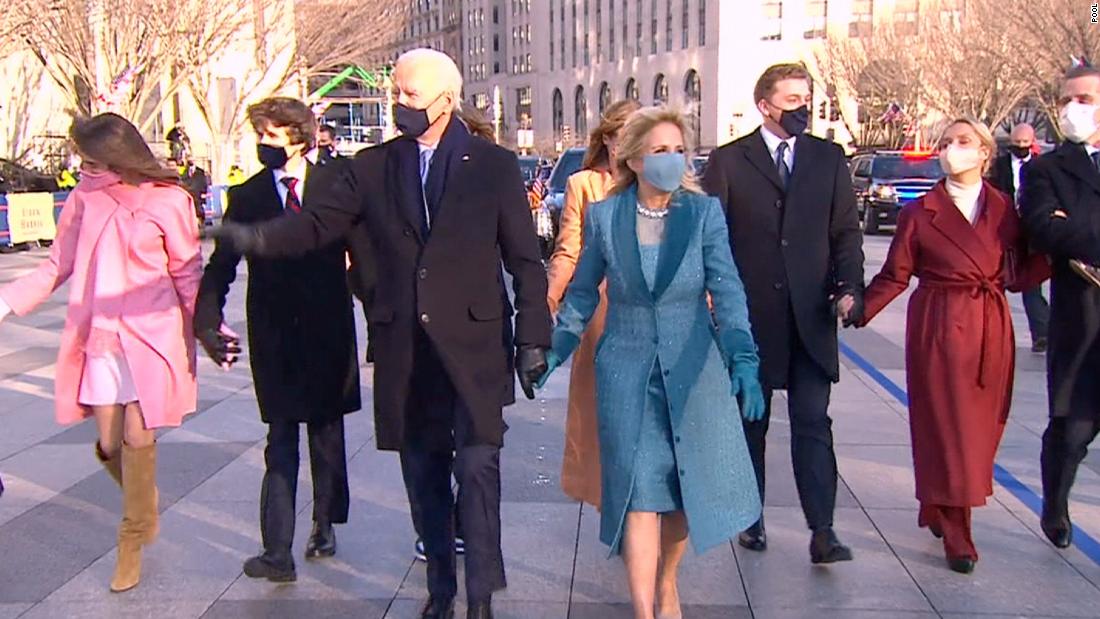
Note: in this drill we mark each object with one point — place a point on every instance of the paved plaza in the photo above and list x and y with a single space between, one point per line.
59 515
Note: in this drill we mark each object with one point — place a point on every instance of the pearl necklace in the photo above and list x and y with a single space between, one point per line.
648 213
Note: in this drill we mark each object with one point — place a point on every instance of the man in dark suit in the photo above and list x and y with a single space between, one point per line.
1060 205
301 336
796 241
1005 175
443 210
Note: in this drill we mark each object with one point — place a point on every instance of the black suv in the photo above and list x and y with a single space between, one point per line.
884 181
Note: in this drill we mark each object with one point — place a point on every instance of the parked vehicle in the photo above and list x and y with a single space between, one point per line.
15 178
884 181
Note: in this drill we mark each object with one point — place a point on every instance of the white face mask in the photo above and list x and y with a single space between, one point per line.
957 159
1078 121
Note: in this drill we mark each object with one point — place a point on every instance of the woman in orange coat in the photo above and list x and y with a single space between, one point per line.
580 470
964 242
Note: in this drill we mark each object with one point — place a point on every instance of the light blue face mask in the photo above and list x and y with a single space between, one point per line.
664 171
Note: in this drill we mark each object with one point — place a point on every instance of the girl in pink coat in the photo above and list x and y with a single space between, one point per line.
128 246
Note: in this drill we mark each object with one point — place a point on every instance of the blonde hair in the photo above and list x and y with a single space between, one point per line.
985 137
632 145
614 117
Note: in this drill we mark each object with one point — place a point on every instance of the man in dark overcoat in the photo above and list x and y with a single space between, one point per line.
796 240
1060 205
301 339
444 211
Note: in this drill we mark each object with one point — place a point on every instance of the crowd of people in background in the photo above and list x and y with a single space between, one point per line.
684 303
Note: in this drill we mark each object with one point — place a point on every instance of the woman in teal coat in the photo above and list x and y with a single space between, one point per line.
670 374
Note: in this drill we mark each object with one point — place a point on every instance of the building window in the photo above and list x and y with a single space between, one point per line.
586 30
685 21
905 17
562 34
523 106
599 31
496 15
496 43
551 36
605 97
660 90
574 34
638 31
773 20
702 22
496 68
611 29
817 16
863 16
580 113
668 26
653 27
558 114
693 94
631 89
626 30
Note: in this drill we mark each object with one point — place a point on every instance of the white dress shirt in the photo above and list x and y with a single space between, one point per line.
299 189
772 141
1018 163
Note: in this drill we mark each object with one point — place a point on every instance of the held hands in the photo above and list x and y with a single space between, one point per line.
221 345
553 362
745 386
849 308
530 366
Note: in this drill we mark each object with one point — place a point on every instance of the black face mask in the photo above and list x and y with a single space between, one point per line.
795 121
273 157
411 121
1020 152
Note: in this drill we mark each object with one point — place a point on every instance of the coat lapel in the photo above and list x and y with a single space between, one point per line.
1075 160
449 171
626 242
757 154
403 172
947 219
678 232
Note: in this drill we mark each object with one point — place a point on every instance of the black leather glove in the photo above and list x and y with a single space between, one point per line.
220 347
240 238
530 366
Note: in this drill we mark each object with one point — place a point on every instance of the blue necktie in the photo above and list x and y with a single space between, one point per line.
425 167
781 163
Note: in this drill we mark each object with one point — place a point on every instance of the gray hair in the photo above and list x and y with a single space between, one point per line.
444 64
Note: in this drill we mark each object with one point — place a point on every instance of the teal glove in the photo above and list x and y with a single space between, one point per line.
745 386
553 362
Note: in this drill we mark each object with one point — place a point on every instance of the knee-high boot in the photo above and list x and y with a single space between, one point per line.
139 513
113 466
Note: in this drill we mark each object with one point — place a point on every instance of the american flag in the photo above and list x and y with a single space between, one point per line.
538 191
894 113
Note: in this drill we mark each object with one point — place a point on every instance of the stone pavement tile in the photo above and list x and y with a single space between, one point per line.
502 609
233 419
196 557
847 613
295 609
783 578
530 462
868 423
878 475
538 540
11 611
181 467
597 610
708 579
1018 573
117 607
26 359
51 468
374 553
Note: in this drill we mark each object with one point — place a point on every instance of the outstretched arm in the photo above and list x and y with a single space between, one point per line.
900 264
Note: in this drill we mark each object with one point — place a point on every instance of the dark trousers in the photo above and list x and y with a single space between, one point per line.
1065 444
427 468
329 469
954 523
808 390
416 511
1038 312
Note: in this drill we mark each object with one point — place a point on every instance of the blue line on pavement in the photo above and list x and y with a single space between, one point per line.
1084 542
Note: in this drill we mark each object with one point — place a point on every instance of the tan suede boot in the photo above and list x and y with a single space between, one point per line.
113 466
139 513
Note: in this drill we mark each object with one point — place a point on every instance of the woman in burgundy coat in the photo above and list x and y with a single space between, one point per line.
963 241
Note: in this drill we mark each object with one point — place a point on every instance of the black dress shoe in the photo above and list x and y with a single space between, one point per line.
962 565
754 538
1059 532
826 548
322 541
480 610
937 532
271 568
438 608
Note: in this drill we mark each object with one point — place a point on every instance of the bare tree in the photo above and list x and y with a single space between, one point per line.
125 55
331 34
